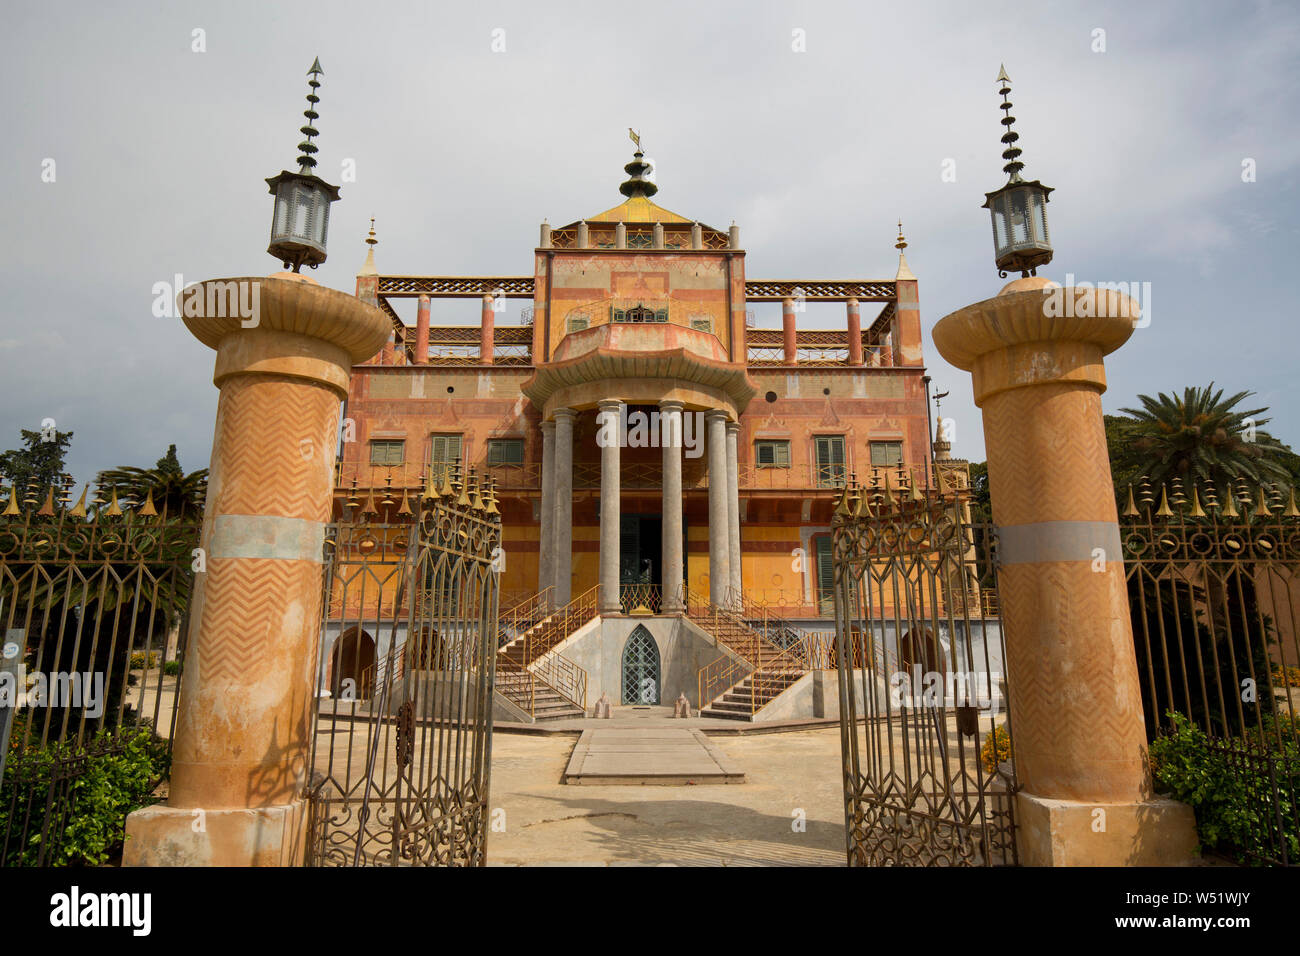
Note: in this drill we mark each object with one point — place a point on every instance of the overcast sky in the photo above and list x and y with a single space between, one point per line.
160 153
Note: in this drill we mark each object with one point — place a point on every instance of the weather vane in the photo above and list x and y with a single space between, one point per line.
635 137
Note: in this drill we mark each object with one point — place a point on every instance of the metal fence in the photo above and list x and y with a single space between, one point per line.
94 608
402 743
929 779
1214 589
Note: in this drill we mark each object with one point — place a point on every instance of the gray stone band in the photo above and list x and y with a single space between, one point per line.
267 536
1058 541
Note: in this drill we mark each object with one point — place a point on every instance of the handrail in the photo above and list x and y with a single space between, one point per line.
757 658
752 610
564 622
512 623
564 677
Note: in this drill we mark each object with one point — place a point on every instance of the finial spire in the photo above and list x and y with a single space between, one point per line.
638 185
904 272
369 269
901 244
307 161
1012 152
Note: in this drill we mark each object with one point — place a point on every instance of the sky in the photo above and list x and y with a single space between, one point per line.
137 138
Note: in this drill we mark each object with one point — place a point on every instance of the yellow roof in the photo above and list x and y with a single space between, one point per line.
638 209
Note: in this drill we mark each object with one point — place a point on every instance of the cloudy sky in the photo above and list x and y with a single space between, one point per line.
1141 116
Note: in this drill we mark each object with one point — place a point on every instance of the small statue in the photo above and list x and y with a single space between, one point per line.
602 707
682 706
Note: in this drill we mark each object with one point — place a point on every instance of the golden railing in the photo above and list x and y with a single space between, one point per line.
641 598
564 677
560 625
516 684
764 663
526 614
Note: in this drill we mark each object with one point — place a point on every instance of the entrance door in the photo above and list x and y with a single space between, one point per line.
641 668
640 562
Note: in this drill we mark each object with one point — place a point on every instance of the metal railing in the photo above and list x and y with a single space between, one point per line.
641 598
768 667
564 677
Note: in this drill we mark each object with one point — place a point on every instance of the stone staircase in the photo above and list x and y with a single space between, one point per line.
530 673
739 689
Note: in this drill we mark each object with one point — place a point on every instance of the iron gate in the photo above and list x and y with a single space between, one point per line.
94 607
1214 593
929 779
402 744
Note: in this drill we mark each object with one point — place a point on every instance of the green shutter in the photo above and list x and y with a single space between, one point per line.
825 574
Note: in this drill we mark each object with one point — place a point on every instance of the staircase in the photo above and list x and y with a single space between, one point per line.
739 689
530 673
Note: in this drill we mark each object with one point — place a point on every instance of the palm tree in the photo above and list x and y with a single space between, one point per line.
1199 437
175 493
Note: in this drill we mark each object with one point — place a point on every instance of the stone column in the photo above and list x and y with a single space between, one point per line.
546 533
789 334
1076 707
246 705
855 332
422 331
608 429
487 334
673 570
562 533
733 513
719 515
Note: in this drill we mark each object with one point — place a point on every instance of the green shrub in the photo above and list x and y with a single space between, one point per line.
1236 812
140 662
117 774
172 668
996 749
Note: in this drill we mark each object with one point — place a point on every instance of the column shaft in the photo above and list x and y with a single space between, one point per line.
609 432
673 569
546 533
719 563
562 534
734 582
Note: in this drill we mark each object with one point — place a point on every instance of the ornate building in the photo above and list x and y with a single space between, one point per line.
644 315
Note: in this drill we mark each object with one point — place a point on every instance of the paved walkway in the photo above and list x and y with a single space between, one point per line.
789 811
648 756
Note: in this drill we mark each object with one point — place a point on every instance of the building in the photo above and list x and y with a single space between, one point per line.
641 325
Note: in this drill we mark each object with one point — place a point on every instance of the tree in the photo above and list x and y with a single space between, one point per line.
174 492
1198 436
38 463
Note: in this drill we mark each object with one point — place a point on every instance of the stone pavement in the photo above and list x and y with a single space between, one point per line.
650 755
789 812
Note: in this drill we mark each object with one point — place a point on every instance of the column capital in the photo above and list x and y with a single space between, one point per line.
610 404
548 427
715 414
671 405
733 427
567 415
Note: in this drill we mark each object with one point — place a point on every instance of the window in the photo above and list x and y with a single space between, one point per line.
702 323
830 460
886 453
578 322
825 575
505 451
444 450
385 451
772 454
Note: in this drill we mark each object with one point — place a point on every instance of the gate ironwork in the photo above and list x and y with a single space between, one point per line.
94 608
1214 589
401 749
929 779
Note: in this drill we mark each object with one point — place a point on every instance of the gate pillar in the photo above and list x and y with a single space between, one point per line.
1035 353
243 729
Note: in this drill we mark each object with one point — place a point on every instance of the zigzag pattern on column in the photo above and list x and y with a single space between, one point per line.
246 624
1048 443
1082 712
289 472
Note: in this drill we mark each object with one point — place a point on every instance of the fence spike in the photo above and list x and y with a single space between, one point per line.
1197 511
47 509
1291 510
12 508
1130 510
1262 508
114 509
1164 511
148 511
79 510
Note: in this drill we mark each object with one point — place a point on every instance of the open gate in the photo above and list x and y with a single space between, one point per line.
929 779
401 751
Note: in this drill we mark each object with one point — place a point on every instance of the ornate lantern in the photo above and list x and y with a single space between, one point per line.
300 222
1019 209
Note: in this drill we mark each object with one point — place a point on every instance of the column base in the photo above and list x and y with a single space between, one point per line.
261 836
1155 832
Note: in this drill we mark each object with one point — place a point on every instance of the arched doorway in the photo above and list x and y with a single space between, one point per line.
641 678
353 660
